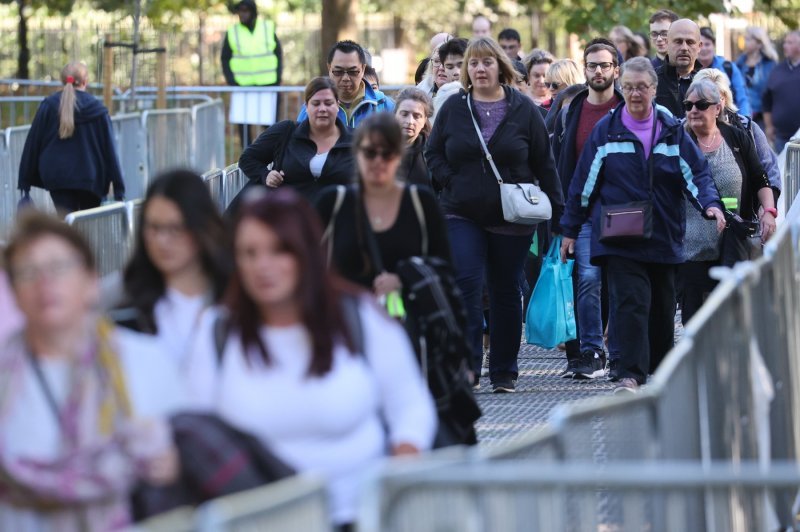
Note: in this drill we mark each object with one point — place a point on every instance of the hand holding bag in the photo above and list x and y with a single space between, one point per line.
632 222
550 318
523 203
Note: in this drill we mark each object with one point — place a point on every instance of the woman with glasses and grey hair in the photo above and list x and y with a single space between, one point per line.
631 178
741 181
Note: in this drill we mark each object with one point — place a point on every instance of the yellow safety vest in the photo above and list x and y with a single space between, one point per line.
254 61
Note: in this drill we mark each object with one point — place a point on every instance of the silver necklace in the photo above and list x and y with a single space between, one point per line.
708 146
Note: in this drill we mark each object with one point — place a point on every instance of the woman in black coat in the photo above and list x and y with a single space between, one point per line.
70 147
483 244
413 110
307 156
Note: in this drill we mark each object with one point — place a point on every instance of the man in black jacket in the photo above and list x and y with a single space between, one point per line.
573 127
680 66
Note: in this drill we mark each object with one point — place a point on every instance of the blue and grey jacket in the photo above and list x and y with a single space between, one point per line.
373 102
613 170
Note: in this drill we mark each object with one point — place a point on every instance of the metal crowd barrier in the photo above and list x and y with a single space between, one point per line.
131 144
213 180
791 177
527 496
297 503
108 229
233 181
169 139
208 128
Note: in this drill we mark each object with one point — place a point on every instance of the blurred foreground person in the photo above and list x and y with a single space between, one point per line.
314 370
82 404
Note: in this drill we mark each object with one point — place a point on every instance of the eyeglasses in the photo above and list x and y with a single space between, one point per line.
701 105
371 153
630 89
56 269
655 35
604 67
552 85
351 73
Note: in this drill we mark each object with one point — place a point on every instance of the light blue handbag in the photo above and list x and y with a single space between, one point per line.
550 318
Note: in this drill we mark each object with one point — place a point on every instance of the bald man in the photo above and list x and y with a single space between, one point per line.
680 65
481 27
438 40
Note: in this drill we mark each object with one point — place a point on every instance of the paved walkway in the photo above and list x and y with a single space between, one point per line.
508 416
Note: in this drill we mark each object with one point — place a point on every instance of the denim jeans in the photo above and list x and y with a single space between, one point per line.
590 282
479 254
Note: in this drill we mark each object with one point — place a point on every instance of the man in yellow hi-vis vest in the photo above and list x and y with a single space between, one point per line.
251 57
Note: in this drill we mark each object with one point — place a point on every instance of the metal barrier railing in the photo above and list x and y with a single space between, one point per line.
131 144
517 496
169 139
791 177
208 129
107 229
213 180
233 181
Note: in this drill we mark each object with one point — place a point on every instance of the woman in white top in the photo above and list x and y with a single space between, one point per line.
82 405
328 394
180 265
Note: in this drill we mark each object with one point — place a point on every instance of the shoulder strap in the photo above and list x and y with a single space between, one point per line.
221 332
420 218
728 66
327 236
353 321
483 142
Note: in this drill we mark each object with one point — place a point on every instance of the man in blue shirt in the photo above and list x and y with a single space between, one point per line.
708 59
781 103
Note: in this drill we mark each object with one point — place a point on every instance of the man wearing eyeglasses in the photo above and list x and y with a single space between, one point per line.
659 27
347 61
680 66
573 127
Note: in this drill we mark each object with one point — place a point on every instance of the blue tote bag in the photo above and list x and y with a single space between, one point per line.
550 318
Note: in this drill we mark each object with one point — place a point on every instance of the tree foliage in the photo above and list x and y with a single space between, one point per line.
786 10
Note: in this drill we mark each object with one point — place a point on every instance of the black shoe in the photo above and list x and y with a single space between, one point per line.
505 386
613 370
590 366
572 365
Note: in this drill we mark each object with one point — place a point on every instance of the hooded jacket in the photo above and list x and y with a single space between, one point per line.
85 161
373 102
520 148
298 151
613 170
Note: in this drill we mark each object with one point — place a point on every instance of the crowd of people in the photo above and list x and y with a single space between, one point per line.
346 305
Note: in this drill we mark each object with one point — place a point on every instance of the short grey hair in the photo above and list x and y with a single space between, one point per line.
640 64
705 89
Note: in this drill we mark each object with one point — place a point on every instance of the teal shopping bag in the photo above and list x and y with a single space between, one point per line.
550 318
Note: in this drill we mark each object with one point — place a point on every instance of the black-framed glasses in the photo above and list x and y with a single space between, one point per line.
604 67
658 34
701 105
372 153
552 85
340 73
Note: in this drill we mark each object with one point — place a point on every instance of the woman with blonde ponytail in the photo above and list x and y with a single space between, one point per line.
70 148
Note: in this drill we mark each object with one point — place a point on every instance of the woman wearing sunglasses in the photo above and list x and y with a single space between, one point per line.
380 210
638 165
562 74
742 184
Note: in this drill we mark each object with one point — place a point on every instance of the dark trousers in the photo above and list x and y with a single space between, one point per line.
478 255
642 308
67 200
697 285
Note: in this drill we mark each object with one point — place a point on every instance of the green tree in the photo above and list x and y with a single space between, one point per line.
786 10
24 9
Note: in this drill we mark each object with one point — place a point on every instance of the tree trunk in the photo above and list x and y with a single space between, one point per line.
22 38
338 23
399 32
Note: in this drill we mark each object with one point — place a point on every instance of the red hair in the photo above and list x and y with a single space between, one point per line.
319 292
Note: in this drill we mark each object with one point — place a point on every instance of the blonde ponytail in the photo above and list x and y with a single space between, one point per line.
73 74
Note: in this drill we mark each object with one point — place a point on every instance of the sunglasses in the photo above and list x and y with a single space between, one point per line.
552 85
701 105
372 153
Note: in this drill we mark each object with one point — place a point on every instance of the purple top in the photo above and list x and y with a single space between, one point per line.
643 129
489 116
